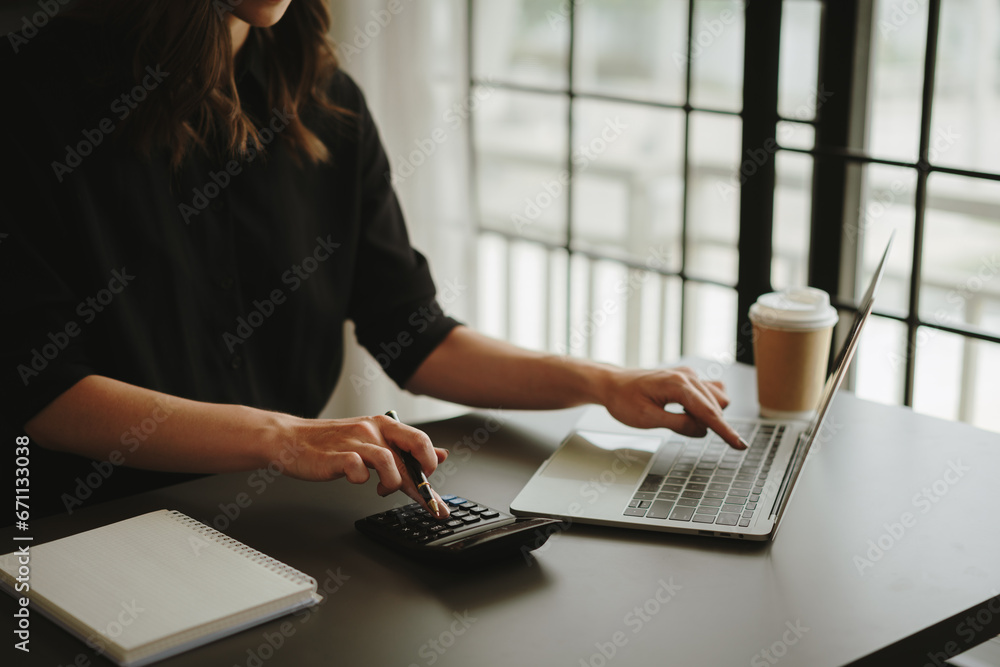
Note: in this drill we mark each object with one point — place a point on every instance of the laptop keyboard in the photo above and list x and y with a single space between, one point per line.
710 482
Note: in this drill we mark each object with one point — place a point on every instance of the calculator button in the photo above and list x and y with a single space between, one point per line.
458 514
454 523
478 509
490 514
455 500
471 518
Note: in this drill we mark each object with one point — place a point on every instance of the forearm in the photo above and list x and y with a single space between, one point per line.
106 419
475 370
99 416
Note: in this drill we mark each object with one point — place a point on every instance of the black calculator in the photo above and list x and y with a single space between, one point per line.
473 533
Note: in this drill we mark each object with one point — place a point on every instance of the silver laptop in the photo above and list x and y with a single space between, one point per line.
610 474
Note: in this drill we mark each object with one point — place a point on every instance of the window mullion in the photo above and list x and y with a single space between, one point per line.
920 196
841 114
760 118
570 91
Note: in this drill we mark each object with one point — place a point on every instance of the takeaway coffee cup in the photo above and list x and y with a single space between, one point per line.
791 343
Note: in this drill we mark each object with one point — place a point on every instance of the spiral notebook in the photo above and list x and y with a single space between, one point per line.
156 585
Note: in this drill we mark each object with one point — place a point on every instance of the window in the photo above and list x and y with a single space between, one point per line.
917 158
602 138
645 169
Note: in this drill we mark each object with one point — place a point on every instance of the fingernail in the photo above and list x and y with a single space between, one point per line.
744 443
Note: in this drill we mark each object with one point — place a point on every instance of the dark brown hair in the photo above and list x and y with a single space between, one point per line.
197 106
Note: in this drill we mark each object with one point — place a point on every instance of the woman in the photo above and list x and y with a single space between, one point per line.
200 201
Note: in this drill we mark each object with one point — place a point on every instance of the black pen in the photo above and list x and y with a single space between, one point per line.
416 473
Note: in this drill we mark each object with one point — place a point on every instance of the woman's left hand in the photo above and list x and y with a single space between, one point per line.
639 398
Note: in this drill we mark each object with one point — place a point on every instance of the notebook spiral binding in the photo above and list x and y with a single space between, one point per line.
255 556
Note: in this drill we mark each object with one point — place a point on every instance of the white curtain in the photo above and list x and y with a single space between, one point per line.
409 58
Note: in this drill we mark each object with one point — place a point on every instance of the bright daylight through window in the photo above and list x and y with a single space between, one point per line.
609 169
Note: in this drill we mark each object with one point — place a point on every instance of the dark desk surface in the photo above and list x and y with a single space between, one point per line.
841 582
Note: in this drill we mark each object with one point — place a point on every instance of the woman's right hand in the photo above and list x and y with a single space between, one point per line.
328 449
105 419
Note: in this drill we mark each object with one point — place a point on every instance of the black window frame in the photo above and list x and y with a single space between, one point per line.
840 125
838 156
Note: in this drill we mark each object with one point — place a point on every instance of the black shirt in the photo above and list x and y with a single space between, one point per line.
227 282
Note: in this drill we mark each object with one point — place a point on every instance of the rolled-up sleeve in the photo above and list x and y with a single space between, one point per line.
41 350
393 302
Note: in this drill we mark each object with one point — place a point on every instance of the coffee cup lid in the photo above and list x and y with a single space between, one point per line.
796 308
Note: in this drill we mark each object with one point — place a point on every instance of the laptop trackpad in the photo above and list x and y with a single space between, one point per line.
612 458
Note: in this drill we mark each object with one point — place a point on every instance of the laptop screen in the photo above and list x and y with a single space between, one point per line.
846 353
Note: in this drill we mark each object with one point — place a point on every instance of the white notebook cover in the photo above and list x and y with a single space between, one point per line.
156 585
